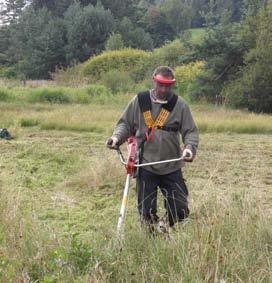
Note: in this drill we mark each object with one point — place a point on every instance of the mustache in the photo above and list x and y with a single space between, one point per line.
163 95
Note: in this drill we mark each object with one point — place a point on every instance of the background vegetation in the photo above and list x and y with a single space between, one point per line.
68 68
39 38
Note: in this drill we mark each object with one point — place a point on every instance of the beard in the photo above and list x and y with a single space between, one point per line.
163 96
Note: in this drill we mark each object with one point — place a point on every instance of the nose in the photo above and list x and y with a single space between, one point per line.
163 89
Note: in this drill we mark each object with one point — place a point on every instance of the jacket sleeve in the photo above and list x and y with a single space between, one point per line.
125 126
188 130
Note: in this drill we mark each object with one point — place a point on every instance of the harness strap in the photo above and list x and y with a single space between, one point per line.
148 119
168 129
146 106
160 120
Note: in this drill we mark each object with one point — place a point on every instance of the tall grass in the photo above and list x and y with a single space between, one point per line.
87 94
60 205
220 119
101 116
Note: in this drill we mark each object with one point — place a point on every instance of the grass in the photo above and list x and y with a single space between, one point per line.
222 120
61 190
87 94
197 34
101 118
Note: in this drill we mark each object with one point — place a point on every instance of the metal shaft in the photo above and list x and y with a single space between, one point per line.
123 206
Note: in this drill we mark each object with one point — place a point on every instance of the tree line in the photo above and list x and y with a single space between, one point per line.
38 36
238 58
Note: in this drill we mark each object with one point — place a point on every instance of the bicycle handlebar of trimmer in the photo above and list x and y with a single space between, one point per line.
124 162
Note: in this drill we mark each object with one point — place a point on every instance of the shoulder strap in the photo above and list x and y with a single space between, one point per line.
146 106
165 110
144 101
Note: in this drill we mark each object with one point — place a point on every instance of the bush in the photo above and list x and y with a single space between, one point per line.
138 64
114 42
4 95
117 81
124 60
89 94
48 95
167 55
28 122
186 76
95 90
8 72
71 76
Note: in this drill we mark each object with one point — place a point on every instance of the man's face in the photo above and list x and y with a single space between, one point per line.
161 90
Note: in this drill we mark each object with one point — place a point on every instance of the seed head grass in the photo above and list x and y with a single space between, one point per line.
61 192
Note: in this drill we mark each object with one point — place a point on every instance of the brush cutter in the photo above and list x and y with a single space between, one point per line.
131 165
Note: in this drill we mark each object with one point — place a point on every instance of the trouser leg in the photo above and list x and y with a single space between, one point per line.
147 184
175 194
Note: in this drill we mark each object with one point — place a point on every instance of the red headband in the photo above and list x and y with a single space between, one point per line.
161 79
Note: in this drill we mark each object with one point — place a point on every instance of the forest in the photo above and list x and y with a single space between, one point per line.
39 37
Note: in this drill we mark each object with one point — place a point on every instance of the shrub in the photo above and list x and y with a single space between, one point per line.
114 42
89 94
48 95
186 76
28 122
8 72
117 81
71 76
167 55
4 95
95 90
125 60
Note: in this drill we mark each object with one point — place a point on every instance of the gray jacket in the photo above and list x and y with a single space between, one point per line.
165 145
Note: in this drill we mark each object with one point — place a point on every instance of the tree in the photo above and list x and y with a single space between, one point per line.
121 8
253 87
4 44
199 7
134 36
157 25
223 51
11 10
57 7
178 14
114 42
37 43
87 30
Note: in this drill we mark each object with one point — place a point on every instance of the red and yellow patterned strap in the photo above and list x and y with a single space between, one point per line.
159 121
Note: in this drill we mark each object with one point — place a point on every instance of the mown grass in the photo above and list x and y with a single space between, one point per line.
61 191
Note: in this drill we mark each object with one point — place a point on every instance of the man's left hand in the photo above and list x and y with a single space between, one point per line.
187 155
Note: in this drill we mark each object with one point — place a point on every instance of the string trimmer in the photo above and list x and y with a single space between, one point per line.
131 164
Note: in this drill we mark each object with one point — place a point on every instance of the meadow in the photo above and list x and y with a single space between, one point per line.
61 190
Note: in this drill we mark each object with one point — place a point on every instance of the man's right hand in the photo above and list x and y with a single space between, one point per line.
113 143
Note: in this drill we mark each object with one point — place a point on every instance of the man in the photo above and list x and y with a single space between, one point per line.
159 119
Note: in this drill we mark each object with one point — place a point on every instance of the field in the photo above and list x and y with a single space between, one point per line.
61 190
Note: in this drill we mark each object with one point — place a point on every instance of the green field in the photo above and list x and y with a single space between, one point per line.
197 34
61 190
